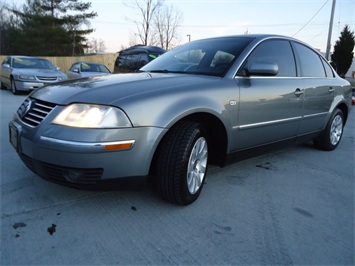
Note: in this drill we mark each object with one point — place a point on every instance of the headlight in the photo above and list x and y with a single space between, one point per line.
27 77
92 116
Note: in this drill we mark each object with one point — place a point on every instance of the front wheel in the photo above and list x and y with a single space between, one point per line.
2 86
181 164
333 132
13 87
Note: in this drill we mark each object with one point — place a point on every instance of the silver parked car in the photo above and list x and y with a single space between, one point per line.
26 73
211 101
86 69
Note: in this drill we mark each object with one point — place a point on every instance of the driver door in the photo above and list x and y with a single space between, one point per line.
270 107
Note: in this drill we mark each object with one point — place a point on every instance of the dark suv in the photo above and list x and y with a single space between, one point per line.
133 58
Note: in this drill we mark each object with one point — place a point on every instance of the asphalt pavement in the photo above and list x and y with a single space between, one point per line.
294 206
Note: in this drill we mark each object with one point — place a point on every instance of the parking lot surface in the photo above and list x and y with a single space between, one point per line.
294 206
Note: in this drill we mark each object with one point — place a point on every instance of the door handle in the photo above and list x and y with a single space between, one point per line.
331 90
298 92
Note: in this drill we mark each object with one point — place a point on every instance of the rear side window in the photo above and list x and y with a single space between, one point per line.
309 62
328 69
278 52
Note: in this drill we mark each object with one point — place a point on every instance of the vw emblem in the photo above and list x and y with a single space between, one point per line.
26 108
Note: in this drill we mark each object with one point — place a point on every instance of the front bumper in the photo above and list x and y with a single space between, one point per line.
31 85
82 163
27 85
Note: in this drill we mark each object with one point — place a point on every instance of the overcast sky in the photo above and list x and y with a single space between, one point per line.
307 20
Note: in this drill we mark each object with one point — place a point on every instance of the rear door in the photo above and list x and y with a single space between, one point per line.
319 85
270 107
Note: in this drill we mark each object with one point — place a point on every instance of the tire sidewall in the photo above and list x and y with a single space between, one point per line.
186 195
13 87
324 142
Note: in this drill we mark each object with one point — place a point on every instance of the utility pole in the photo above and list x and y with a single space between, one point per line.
330 31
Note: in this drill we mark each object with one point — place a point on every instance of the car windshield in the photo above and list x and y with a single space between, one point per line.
85 67
206 57
36 63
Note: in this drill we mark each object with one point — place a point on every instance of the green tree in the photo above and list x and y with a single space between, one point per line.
343 55
52 27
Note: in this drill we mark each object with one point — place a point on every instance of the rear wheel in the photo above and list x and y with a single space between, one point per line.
182 163
333 132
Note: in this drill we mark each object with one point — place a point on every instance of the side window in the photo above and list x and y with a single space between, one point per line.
278 52
328 69
309 62
144 58
75 67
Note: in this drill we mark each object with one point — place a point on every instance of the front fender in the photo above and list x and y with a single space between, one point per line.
164 109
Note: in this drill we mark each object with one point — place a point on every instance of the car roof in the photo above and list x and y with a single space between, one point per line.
26 56
143 49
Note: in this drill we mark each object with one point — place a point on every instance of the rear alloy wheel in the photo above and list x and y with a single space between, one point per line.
13 87
182 163
333 132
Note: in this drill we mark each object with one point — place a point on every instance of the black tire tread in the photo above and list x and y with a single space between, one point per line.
173 149
323 142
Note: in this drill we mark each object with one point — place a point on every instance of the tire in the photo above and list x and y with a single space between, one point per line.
2 86
333 132
13 87
181 164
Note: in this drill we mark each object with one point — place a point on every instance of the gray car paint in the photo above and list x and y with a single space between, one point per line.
154 102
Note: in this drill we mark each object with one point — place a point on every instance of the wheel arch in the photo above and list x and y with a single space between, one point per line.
343 107
216 134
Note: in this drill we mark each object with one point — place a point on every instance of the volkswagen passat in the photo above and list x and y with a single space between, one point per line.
211 101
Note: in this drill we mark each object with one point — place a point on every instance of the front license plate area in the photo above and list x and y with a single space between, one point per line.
14 136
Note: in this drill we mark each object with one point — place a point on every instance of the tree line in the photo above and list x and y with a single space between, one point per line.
61 27
46 27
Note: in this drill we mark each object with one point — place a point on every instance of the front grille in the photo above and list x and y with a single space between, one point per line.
33 111
47 78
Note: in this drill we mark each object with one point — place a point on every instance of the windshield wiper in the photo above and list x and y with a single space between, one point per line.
159 71
165 71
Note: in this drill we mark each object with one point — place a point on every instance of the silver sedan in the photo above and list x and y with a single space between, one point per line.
25 73
212 101
87 69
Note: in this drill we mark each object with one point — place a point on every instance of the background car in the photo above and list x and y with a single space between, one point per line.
25 73
212 101
133 58
87 69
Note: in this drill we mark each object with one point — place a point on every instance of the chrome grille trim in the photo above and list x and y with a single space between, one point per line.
47 78
33 111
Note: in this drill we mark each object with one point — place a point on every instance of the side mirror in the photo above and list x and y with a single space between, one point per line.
6 65
263 69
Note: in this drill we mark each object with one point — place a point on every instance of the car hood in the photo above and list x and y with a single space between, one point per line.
111 88
39 72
